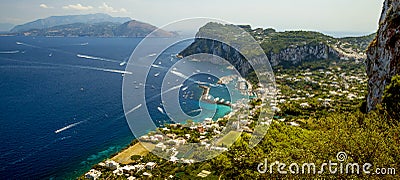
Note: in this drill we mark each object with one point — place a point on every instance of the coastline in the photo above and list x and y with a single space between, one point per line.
132 155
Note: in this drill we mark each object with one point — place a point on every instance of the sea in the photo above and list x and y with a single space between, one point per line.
61 107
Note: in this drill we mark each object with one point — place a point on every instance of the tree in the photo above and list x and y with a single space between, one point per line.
391 98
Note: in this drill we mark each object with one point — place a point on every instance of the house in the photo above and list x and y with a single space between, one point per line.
218 148
128 168
131 178
138 167
180 141
150 165
304 105
147 174
187 161
159 137
118 172
111 164
294 124
144 138
200 129
173 159
204 174
93 174
275 109
171 136
161 146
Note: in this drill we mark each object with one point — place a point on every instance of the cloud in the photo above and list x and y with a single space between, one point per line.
44 6
79 7
110 9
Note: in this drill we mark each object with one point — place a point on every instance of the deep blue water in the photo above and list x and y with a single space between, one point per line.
60 113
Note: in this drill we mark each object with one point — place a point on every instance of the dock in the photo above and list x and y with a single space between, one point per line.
205 97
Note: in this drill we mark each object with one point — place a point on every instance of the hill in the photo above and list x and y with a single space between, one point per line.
139 29
93 25
290 47
69 19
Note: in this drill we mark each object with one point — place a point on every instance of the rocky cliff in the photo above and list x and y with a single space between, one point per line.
383 55
294 55
220 49
289 48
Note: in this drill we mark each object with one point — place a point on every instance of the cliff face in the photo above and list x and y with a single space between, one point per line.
383 55
222 50
295 55
290 56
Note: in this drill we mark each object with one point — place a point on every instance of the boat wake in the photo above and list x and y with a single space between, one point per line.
71 66
69 126
179 74
9 52
134 109
97 58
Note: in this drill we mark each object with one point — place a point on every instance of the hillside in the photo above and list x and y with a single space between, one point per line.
70 19
139 29
97 27
292 47
105 29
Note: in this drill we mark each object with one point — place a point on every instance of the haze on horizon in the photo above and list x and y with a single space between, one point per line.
358 17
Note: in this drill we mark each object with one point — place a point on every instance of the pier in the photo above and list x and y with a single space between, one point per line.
206 97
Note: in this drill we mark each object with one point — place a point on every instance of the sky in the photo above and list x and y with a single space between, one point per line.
356 16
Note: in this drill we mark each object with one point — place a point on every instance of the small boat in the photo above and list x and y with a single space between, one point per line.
161 110
122 63
157 74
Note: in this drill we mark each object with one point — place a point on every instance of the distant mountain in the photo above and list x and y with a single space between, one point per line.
102 29
4 27
139 29
70 19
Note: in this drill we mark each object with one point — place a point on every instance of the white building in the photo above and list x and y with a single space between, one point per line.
111 164
151 165
93 174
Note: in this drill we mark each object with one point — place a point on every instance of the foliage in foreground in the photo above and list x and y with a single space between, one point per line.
365 138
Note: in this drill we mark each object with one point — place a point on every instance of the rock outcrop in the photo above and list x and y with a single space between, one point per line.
220 49
383 55
297 54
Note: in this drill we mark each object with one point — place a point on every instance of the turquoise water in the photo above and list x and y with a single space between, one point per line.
62 113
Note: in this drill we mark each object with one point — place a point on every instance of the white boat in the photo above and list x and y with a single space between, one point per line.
157 74
122 63
160 109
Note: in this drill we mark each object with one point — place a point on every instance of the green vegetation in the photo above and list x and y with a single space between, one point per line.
276 42
318 114
324 130
391 99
